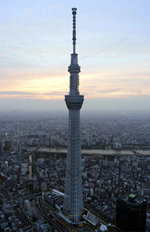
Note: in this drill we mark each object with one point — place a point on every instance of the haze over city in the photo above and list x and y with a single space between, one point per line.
62 171
113 49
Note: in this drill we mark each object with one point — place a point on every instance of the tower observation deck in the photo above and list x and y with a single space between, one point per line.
73 202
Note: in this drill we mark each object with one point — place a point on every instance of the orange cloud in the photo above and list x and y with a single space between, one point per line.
50 85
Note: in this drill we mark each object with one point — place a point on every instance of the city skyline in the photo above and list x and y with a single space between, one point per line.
113 51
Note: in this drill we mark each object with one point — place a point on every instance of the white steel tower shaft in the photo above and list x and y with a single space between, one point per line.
73 202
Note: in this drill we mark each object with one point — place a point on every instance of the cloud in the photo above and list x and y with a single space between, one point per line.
56 93
16 93
139 91
107 48
31 74
110 90
95 91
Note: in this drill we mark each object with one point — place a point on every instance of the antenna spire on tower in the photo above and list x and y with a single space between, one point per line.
74 12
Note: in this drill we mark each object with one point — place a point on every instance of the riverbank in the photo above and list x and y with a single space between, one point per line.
96 151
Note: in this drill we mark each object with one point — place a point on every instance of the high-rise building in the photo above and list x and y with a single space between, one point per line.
131 214
19 149
73 202
1 147
7 146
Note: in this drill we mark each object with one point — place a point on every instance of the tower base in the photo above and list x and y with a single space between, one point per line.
68 219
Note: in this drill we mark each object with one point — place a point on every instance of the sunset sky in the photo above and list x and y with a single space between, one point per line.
113 43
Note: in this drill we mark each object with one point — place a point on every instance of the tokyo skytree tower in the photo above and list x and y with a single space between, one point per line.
73 202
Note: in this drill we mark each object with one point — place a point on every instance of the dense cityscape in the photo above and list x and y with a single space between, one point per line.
66 171
115 161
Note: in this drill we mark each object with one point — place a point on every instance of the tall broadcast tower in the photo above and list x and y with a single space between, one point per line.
73 202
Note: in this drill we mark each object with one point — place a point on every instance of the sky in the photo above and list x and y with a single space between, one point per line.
113 43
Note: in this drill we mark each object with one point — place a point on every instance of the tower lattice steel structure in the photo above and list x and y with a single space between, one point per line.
73 202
